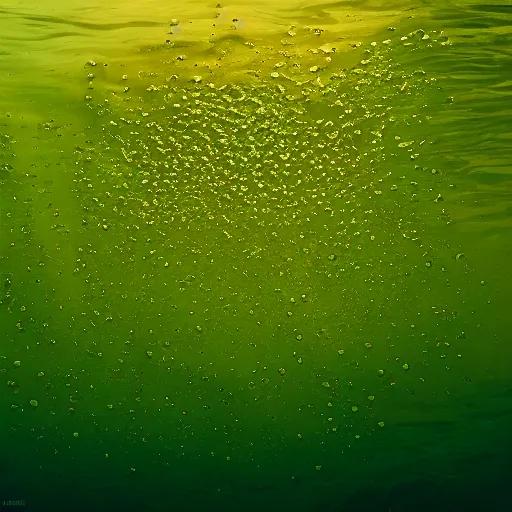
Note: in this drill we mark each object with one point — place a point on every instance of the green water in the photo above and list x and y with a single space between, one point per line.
257 257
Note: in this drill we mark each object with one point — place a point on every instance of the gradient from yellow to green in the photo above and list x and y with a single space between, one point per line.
168 372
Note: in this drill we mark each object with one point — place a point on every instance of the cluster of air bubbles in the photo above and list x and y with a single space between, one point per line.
238 152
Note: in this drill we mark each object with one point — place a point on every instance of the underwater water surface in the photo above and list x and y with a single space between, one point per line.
255 255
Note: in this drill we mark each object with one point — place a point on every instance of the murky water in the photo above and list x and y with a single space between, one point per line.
255 256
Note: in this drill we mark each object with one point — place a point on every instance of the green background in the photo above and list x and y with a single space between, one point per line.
256 257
